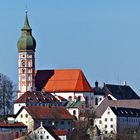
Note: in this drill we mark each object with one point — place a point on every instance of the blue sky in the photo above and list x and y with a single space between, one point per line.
101 37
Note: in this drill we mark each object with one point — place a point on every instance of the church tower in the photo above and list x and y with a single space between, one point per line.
26 59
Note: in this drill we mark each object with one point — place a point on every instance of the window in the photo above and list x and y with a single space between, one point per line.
111 119
100 99
108 112
23 63
29 64
62 122
79 98
105 132
96 101
87 101
111 132
47 137
105 126
105 119
100 122
74 112
41 137
69 122
29 77
23 71
26 115
56 123
21 116
29 70
111 126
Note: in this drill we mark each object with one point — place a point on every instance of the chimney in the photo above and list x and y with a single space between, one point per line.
125 83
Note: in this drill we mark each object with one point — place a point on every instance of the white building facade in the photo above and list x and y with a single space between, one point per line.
118 120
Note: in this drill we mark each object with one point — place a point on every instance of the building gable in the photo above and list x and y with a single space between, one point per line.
66 80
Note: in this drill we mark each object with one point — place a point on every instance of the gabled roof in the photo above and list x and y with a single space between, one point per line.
65 80
116 103
49 130
45 112
126 112
35 97
120 91
53 134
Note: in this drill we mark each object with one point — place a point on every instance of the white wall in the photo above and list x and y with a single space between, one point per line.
24 117
108 122
41 134
99 99
66 95
63 137
17 107
71 110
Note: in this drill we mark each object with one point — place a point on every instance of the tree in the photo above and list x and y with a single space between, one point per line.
7 90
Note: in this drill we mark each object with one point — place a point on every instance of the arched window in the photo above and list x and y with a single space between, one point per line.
79 98
74 112
23 63
23 71
96 101
87 101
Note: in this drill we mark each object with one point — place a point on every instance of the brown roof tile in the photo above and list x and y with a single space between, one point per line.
116 103
16 124
61 132
36 97
45 112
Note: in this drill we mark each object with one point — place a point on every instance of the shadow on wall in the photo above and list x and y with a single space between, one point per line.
42 77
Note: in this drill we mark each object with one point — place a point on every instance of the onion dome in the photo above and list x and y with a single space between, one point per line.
26 42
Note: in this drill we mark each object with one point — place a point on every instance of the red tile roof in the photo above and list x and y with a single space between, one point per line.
67 80
45 112
61 132
36 97
16 124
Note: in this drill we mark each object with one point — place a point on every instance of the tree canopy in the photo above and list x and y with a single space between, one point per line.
7 90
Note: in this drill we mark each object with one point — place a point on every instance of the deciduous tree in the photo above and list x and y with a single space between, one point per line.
7 90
